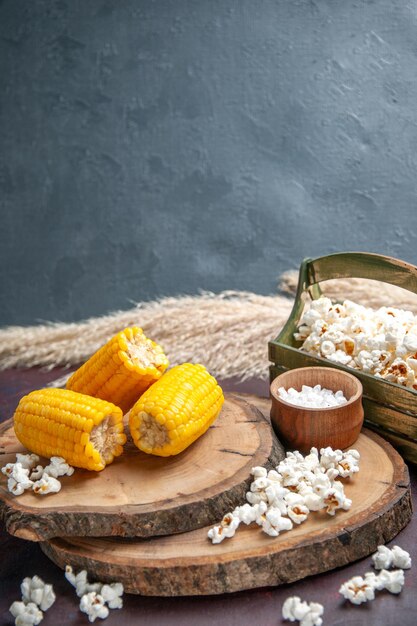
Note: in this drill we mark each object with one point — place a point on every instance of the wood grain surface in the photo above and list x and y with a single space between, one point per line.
259 606
141 495
188 564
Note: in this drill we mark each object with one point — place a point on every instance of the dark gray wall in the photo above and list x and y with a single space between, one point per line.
153 148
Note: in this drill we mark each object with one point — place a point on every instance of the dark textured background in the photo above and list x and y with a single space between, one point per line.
153 148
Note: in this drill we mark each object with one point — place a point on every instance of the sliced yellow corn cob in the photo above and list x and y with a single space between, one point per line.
176 410
87 432
122 369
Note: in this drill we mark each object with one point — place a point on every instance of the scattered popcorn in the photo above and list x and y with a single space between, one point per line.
42 480
383 558
312 397
19 479
26 614
312 500
35 590
348 466
307 613
93 604
112 595
80 582
95 596
259 472
46 484
391 581
248 513
358 590
401 558
7 469
226 528
58 467
284 496
334 499
28 461
298 513
36 473
381 342
345 464
330 458
272 522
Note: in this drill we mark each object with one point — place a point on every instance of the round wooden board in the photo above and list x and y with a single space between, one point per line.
189 564
140 495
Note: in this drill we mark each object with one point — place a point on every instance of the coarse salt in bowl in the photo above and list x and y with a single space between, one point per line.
316 397
304 426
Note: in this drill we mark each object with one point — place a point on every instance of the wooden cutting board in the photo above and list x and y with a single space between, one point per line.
188 564
140 495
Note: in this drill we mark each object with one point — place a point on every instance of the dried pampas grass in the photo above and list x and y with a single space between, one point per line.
228 332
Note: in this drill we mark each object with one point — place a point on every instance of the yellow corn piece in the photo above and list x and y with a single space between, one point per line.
87 432
122 369
176 410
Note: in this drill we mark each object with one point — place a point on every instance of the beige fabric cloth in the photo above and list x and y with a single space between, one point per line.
227 332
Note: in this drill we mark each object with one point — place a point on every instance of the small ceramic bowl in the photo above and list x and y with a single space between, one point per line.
300 428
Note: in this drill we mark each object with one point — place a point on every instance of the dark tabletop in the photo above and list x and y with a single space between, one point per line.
260 607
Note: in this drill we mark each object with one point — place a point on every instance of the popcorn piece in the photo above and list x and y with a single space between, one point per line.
401 558
274 477
259 472
58 467
259 484
80 582
93 604
330 458
272 522
348 466
312 461
257 491
327 347
7 469
19 479
321 483
226 528
26 614
248 513
313 501
309 317
340 357
391 581
383 558
298 513
275 494
373 580
46 484
291 475
36 473
358 590
15 488
334 498
112 595
308 614
27 461
35 590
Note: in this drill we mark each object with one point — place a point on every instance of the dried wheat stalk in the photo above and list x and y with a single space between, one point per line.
228 332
